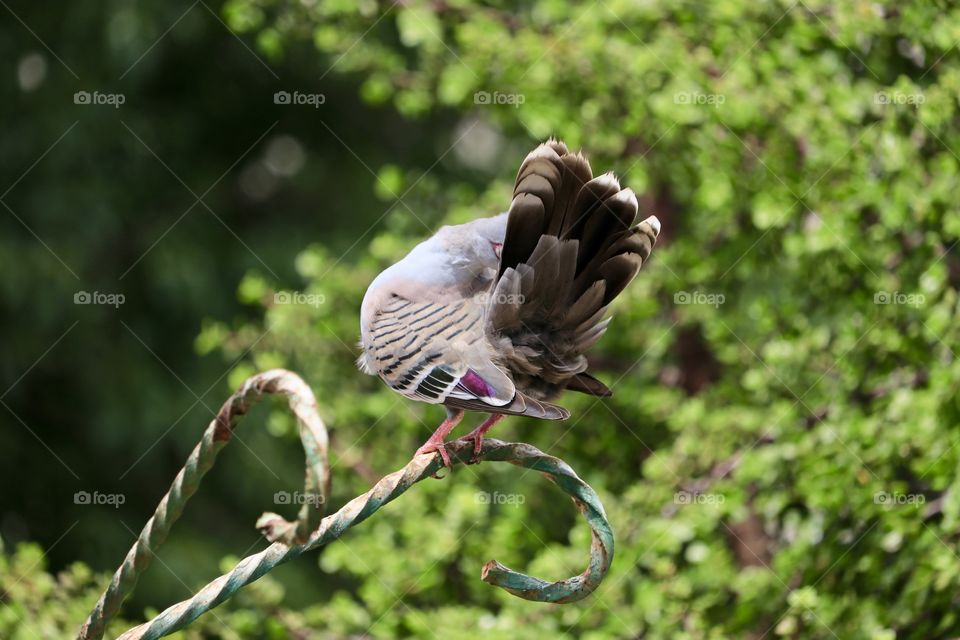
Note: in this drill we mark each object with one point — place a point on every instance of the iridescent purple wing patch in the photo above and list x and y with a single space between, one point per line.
472 382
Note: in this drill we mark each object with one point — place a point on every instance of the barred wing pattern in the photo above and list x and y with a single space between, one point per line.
418 349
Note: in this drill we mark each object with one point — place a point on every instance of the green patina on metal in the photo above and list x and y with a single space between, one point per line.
292 539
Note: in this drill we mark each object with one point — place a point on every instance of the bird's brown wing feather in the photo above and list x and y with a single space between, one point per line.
522 405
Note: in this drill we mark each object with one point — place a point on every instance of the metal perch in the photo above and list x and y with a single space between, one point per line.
292 539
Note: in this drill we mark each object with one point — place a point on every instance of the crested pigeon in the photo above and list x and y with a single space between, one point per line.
495 315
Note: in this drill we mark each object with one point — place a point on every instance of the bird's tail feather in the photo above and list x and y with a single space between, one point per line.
570 248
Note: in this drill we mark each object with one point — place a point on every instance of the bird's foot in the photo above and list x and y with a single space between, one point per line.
477 446
436 446
477 435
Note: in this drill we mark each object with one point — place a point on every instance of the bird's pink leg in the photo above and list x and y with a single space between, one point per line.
435 442
477 434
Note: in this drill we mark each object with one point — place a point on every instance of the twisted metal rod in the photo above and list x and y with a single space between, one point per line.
313 435
286 547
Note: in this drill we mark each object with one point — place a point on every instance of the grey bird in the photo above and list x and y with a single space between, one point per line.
495 315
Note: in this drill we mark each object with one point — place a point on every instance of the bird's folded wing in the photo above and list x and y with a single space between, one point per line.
437 351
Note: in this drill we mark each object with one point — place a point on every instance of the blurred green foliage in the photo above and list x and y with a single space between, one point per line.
779 457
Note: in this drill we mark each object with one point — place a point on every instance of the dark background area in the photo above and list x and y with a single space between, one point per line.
113 399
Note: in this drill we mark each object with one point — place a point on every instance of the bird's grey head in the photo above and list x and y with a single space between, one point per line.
464 257
474 247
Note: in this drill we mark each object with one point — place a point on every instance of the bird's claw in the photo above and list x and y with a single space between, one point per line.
436 447
477 446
